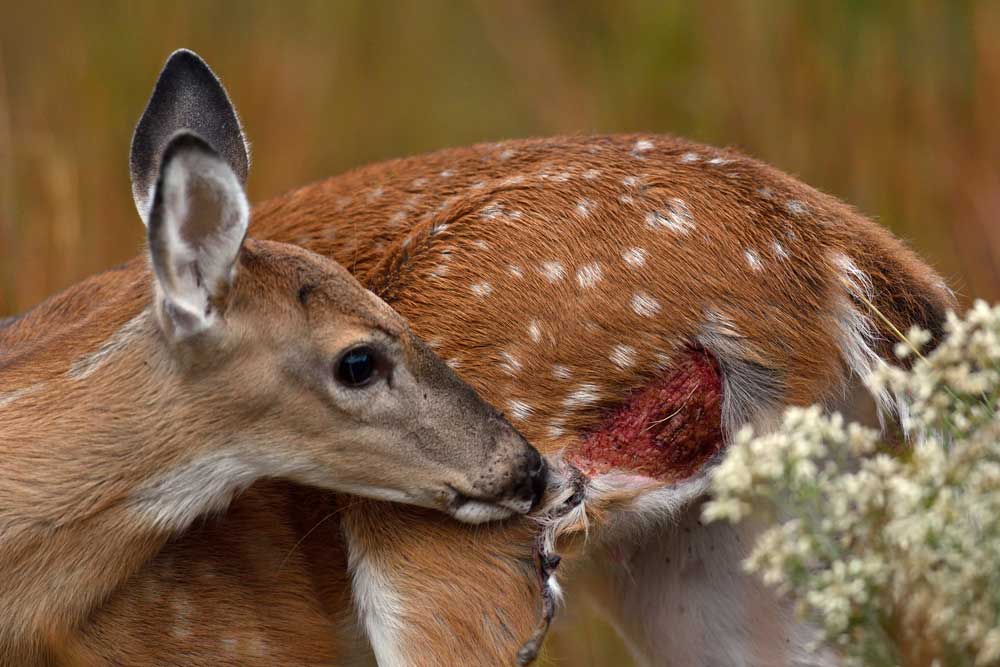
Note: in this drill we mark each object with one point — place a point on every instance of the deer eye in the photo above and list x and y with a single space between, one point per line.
356 367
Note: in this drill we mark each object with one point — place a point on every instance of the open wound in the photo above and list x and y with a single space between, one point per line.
666 430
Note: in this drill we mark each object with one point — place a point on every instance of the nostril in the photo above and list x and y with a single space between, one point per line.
540 466
538 479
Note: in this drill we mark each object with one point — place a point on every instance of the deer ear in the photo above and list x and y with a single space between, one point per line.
187 97
197 222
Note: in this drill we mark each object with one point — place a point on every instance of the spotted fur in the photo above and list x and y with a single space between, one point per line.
563 359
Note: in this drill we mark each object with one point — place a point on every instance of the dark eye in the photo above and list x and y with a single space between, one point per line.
357 367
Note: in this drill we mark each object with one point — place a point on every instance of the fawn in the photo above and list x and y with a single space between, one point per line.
140 400
628 301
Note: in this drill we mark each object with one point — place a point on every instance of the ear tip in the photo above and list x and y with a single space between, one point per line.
185 59
184 52
187 96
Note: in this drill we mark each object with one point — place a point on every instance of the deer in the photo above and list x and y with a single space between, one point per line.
142 400
629 302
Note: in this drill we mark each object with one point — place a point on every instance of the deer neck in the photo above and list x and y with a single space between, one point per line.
100 427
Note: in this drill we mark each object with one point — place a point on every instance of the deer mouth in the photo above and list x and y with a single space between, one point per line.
469 509
666 430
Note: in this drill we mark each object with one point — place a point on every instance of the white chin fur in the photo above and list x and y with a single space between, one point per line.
473 511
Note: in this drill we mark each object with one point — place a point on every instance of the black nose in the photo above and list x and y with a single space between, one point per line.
538 473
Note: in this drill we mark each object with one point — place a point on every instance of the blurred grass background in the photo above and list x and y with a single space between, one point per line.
892 106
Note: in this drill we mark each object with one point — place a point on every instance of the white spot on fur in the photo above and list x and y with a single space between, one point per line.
561 372
583 207
519 410
509 364
630 181
257 646
765 192
419 182
779 250
592 174
454 363
445 174
553 271
645 305
555 428
719 161
585 394
376 193
482 245
508 154
753 259
535 331
482 289
491 211
118 341
689 158
439 271
626 199
642 146
181 607
589 275
9 397
635 257
515 270
622 356
676 217
795 207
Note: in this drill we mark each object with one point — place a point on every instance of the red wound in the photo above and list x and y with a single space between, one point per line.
666 430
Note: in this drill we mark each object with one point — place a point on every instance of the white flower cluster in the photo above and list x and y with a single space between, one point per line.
893 550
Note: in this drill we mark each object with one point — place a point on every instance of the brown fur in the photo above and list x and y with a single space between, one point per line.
470 594
106 436
212 596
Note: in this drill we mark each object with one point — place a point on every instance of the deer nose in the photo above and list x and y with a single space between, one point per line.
534 478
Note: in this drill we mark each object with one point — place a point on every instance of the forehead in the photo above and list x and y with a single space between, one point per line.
319 285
